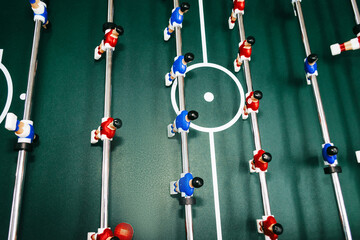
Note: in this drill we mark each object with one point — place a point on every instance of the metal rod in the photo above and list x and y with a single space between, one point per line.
21 163
188 223
302 28
18 191
264 193
341 204
184 140
356 11
320 109
110 11
105 184
107 104
254 122
32 71
325 132
104 215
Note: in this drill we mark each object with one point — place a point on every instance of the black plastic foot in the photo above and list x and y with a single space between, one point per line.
187 201
108 25
24 146
331 169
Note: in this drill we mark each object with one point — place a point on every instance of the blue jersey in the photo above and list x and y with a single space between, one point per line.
32 1
176 16
44 14
327 158
184 184
178 65
30 133
311 69
181 122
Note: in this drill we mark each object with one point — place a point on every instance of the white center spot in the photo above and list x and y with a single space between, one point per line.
209 97
23 96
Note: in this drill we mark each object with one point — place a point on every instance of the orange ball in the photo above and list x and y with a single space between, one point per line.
124 231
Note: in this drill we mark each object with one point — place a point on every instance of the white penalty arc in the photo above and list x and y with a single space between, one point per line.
233 77
10 89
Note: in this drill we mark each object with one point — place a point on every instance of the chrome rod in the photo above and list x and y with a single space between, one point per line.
254 121
104 215
184 135
21 163
323 124
356 11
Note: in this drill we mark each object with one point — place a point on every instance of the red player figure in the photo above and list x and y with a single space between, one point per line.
124 231
238 8
251 103
112 33
106 130
104 234
260 161
244 52
270 227
353 44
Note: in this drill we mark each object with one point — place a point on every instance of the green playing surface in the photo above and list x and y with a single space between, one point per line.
61 198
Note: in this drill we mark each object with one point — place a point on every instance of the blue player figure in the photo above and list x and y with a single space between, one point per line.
182 122
40 12
178 68
24 129
176 19
329 153
310 67
186 184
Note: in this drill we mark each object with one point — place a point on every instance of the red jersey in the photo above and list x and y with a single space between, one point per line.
105 234
112 41
240 5
250 103
246 52
265 226
106 130
259 164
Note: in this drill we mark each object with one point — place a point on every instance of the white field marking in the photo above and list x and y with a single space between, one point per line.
358 156
202 27
10 89
215 186
242 98
23 96
209 97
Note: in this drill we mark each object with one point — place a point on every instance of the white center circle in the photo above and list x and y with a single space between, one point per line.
209 97
232 76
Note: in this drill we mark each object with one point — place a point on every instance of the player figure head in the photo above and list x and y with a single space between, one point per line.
266 157
258 95
312 58
197 182
117 123
192 115
277 229
356 29
332 150
119 30
250 40
188 57
184 7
